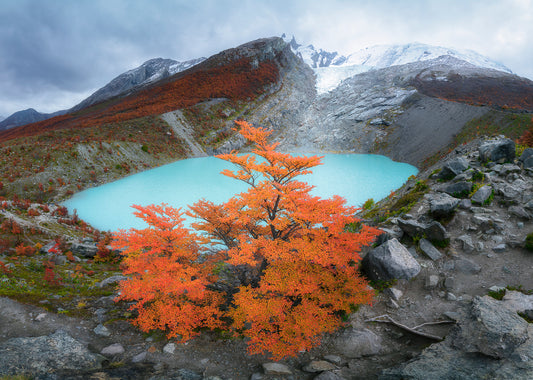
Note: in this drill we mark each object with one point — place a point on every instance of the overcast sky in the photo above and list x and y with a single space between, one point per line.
55 53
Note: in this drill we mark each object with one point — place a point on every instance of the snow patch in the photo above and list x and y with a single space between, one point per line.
329 78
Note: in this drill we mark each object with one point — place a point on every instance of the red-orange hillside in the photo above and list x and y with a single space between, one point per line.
505 92
235 80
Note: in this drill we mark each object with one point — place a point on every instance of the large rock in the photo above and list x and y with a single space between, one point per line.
436 232
84 249
358 343
490 342
453 168
430 251
528 163
433 231
527 153
501 151
274 368
482 195
492 329
459 189
442 205
45 354
391 260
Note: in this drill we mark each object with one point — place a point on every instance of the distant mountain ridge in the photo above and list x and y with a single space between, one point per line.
26 117
150 71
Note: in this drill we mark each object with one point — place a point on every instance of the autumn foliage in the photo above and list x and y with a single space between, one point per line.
236 80
527 138
504 92
295 258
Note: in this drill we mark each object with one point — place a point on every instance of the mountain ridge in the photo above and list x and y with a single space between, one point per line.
330 68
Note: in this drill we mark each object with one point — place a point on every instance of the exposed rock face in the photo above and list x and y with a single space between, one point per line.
433 230
453 168
442 205
500 151
391 260
45 354
482 195
491 341
358 343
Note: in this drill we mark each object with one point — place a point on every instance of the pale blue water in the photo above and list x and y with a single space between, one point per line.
355 177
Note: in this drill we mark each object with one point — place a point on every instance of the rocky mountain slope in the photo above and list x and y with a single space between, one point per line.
149 72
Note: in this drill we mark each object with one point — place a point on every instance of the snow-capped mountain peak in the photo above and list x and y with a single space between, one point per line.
381 56
313 57
332 68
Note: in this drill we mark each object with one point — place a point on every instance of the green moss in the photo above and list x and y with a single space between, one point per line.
497 294
524 315
529 242
381 285
369 203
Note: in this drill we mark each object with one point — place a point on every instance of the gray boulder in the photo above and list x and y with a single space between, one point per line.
442 205
436 232
430 251
433 231
490 342
391 260
389 233
492 329
45 354
274 368
467 243
467 266
459 189
519 212
482 195
84 249
453 168
502 150
411 227
528 163
527 153
358 343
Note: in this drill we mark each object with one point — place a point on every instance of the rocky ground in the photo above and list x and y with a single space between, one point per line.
458 235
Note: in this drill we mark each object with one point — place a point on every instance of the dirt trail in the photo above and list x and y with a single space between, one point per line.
178 123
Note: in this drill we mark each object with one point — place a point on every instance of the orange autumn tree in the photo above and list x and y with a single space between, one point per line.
167 275
298 257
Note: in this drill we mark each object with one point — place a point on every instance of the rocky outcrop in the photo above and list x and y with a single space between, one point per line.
499 151
491 341
45 355
389 261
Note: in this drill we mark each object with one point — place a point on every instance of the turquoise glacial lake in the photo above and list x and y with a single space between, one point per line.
356 177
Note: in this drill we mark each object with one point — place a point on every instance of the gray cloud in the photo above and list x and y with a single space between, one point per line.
54 53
